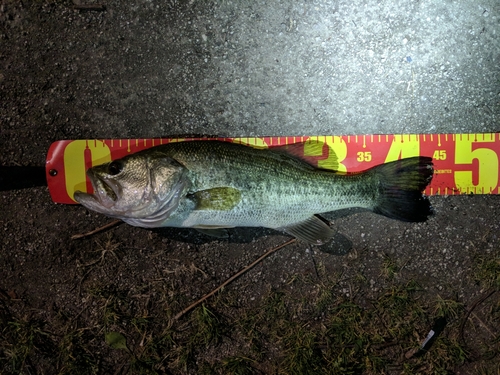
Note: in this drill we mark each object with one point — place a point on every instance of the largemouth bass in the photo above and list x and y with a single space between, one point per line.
213 184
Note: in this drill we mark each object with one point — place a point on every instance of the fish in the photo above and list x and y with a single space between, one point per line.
212 185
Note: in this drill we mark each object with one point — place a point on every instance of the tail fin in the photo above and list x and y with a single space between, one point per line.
400 185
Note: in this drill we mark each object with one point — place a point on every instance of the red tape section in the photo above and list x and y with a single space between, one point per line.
463 163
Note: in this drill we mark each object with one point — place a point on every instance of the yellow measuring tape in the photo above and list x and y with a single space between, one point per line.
463 163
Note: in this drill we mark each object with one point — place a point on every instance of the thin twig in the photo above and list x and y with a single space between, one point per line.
484 325
97 230
314 264
480 300
228 281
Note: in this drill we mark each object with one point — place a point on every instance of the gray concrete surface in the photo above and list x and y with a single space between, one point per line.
338 67
149 68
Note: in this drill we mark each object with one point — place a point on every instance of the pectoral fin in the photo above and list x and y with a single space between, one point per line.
218 199
312 230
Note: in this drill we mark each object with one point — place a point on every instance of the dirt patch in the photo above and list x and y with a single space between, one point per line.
300 308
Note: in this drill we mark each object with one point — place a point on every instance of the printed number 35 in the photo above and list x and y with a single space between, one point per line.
364 156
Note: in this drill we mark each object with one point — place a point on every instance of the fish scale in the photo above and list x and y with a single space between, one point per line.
276 190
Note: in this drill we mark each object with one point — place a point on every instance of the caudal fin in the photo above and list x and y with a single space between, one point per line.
400 185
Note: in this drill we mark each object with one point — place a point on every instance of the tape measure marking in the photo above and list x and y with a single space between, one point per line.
463 163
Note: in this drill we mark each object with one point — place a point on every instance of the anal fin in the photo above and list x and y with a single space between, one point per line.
312 230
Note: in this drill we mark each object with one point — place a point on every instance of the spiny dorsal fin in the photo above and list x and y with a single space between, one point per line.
311 152
218 199
312 230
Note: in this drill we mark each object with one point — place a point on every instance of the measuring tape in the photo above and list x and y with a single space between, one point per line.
463 163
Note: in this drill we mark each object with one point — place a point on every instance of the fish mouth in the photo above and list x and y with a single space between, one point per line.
105 189
106 193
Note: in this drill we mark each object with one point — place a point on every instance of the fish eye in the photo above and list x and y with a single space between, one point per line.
115 167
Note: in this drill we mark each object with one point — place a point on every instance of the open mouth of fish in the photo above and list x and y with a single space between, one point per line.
105 191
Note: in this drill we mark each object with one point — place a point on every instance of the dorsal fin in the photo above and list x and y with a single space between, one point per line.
311 152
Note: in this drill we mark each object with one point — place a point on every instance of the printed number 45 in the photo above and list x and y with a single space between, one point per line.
439 155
